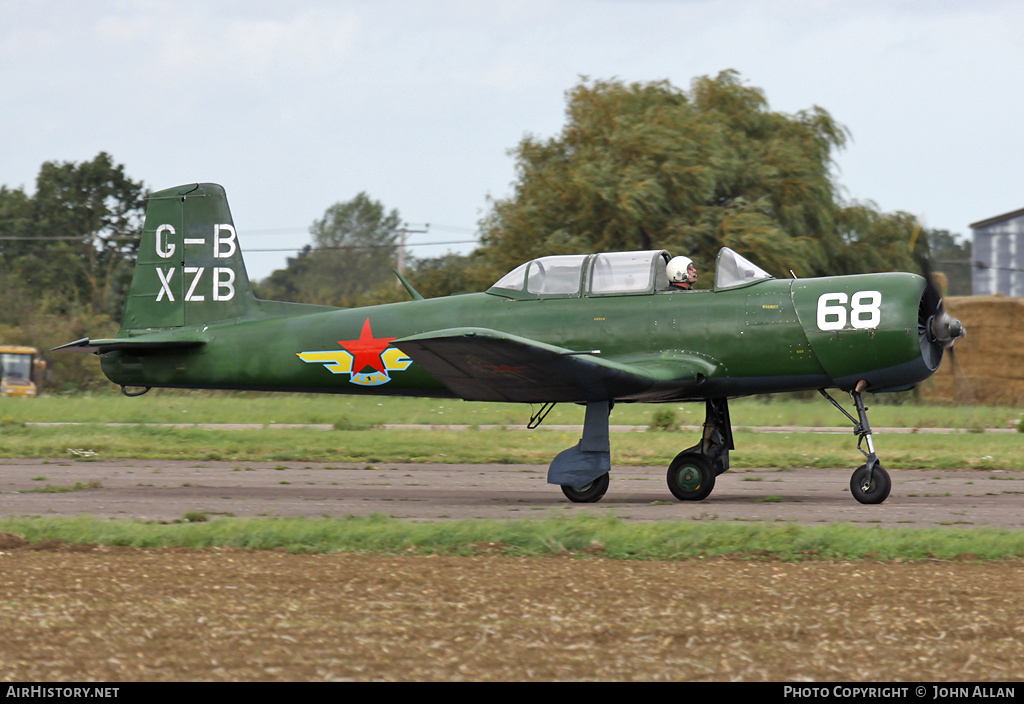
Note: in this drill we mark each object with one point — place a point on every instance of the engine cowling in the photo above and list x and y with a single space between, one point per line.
889 330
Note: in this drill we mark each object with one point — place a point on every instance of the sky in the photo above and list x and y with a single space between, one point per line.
295 106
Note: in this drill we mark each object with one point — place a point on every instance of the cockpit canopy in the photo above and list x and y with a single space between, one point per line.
613 274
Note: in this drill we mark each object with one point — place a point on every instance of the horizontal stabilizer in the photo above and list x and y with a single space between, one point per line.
478 364
110 344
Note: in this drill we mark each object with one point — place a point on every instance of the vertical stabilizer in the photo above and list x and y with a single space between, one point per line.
189 269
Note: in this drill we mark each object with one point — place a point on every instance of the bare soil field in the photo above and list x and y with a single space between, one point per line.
89 613
121 614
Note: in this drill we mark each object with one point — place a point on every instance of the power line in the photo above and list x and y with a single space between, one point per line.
262 250
358 246
264 232
44 238
37 238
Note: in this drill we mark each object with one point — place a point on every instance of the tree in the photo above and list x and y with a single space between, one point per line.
15 220
448 274
74 241
650 166
66 256
873 241
353 252
953 259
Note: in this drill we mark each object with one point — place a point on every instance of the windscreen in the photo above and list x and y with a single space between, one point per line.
16 366
733 270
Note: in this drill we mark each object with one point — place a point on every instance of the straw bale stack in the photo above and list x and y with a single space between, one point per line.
990 357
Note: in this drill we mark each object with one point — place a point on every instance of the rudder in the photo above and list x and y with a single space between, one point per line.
189 269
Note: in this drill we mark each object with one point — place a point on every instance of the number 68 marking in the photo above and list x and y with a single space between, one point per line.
865 310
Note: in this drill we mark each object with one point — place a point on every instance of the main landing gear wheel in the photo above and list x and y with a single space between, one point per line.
874 491
588 493
691 476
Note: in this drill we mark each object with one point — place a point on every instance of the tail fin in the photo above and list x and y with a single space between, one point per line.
189 269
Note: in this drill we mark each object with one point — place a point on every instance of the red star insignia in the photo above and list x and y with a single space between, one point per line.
366 351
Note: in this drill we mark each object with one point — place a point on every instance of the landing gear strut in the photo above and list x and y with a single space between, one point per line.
582 470
691 476
870 483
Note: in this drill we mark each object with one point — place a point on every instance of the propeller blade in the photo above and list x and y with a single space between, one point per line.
939 326
964 392
938 330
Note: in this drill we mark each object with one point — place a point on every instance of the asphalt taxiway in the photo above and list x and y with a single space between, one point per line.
166 490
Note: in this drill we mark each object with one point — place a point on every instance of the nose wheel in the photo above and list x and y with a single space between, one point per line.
870 487
870 483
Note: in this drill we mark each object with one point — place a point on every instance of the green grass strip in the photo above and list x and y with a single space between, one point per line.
576 536
354 412
97 442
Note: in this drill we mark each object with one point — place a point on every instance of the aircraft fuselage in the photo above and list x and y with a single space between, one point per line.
767 337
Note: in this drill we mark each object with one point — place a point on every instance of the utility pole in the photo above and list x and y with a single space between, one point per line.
402 233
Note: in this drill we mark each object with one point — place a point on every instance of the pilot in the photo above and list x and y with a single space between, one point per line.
682 274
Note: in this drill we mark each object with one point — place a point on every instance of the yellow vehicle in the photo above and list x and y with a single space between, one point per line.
20 370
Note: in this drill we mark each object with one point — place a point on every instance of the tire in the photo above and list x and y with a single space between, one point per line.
588 493
690 477
874 493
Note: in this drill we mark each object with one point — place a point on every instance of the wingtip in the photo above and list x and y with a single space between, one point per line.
76 345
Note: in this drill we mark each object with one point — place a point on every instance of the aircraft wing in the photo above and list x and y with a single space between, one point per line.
478 364
116 343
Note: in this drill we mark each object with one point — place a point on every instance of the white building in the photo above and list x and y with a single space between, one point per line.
998 254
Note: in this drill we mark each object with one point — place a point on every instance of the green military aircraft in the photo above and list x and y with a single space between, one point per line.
593 329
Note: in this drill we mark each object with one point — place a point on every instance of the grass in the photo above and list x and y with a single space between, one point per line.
353 439
59 489
92 442
359 412
576 536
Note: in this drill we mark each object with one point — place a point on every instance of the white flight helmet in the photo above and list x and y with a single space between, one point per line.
676 269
